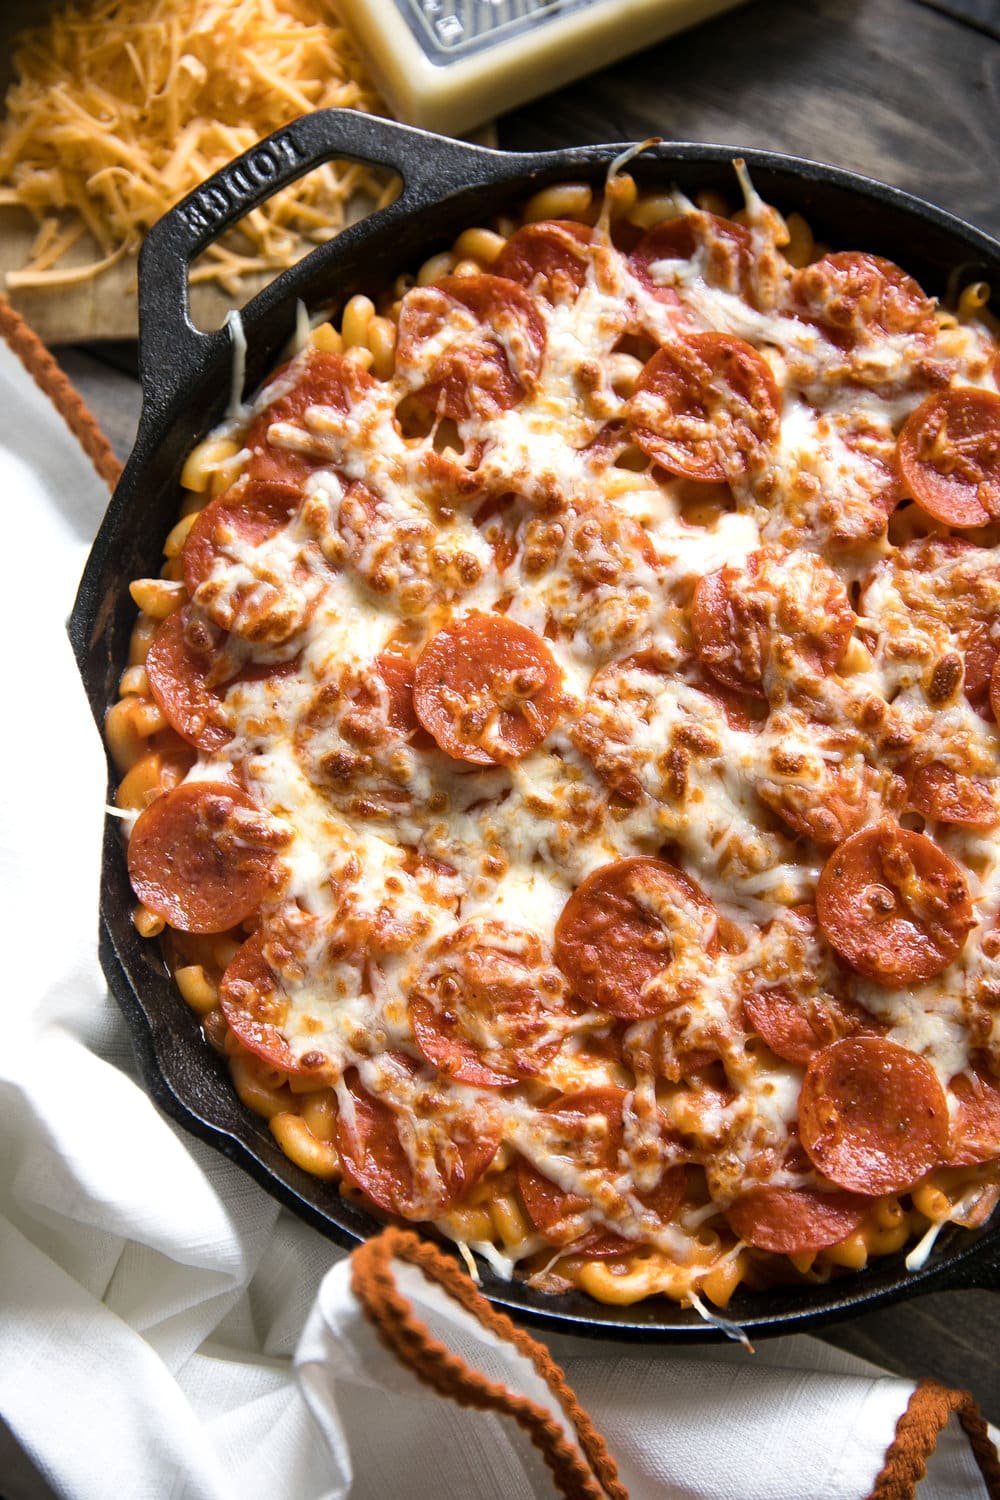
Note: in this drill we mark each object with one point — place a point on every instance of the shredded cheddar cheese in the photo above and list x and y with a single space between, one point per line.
121 107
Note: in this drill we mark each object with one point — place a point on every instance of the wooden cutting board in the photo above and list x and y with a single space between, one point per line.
103 307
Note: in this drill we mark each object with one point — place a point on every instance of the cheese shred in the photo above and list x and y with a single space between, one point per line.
121 107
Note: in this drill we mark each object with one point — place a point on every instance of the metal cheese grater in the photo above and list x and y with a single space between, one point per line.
450 64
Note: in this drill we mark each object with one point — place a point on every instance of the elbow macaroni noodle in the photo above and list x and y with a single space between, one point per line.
685 268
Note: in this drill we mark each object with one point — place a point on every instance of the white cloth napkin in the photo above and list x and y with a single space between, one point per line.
152 1296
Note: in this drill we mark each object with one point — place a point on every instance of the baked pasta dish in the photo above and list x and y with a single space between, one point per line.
561 752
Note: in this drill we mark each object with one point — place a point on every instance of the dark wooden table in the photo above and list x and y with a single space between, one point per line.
899 89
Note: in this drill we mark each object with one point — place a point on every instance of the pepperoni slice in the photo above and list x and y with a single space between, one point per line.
255 1005
796 1027
873 1117
183 666
949 456
859 297
705 407
829 809
980 667
568 1218
740 612
977 1122
893 905
449 1153
261 607
484 1007
381 699
393 559
939 792
938 575
629 923
399 673
665 1049
249 513
793 1221
320 380
202 856
796 996
724 247
473 342
497 519
858 462
550 257
601 545
487 689
731 636
735 709
976 1204
191 669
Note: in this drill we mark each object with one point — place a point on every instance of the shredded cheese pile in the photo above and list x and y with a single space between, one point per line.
121 107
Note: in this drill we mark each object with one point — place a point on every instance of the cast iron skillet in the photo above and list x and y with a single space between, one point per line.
186 381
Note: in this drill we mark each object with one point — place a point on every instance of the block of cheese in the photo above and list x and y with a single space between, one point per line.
448 65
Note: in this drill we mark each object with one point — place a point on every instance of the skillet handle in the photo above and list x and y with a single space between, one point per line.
171 348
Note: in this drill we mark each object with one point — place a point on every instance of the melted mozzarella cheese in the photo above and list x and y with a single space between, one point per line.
396 845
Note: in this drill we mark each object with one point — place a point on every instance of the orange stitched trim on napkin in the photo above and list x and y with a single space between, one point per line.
917 1432
587 1473
49 378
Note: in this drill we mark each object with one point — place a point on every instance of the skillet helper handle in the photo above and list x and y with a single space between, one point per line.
171 348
